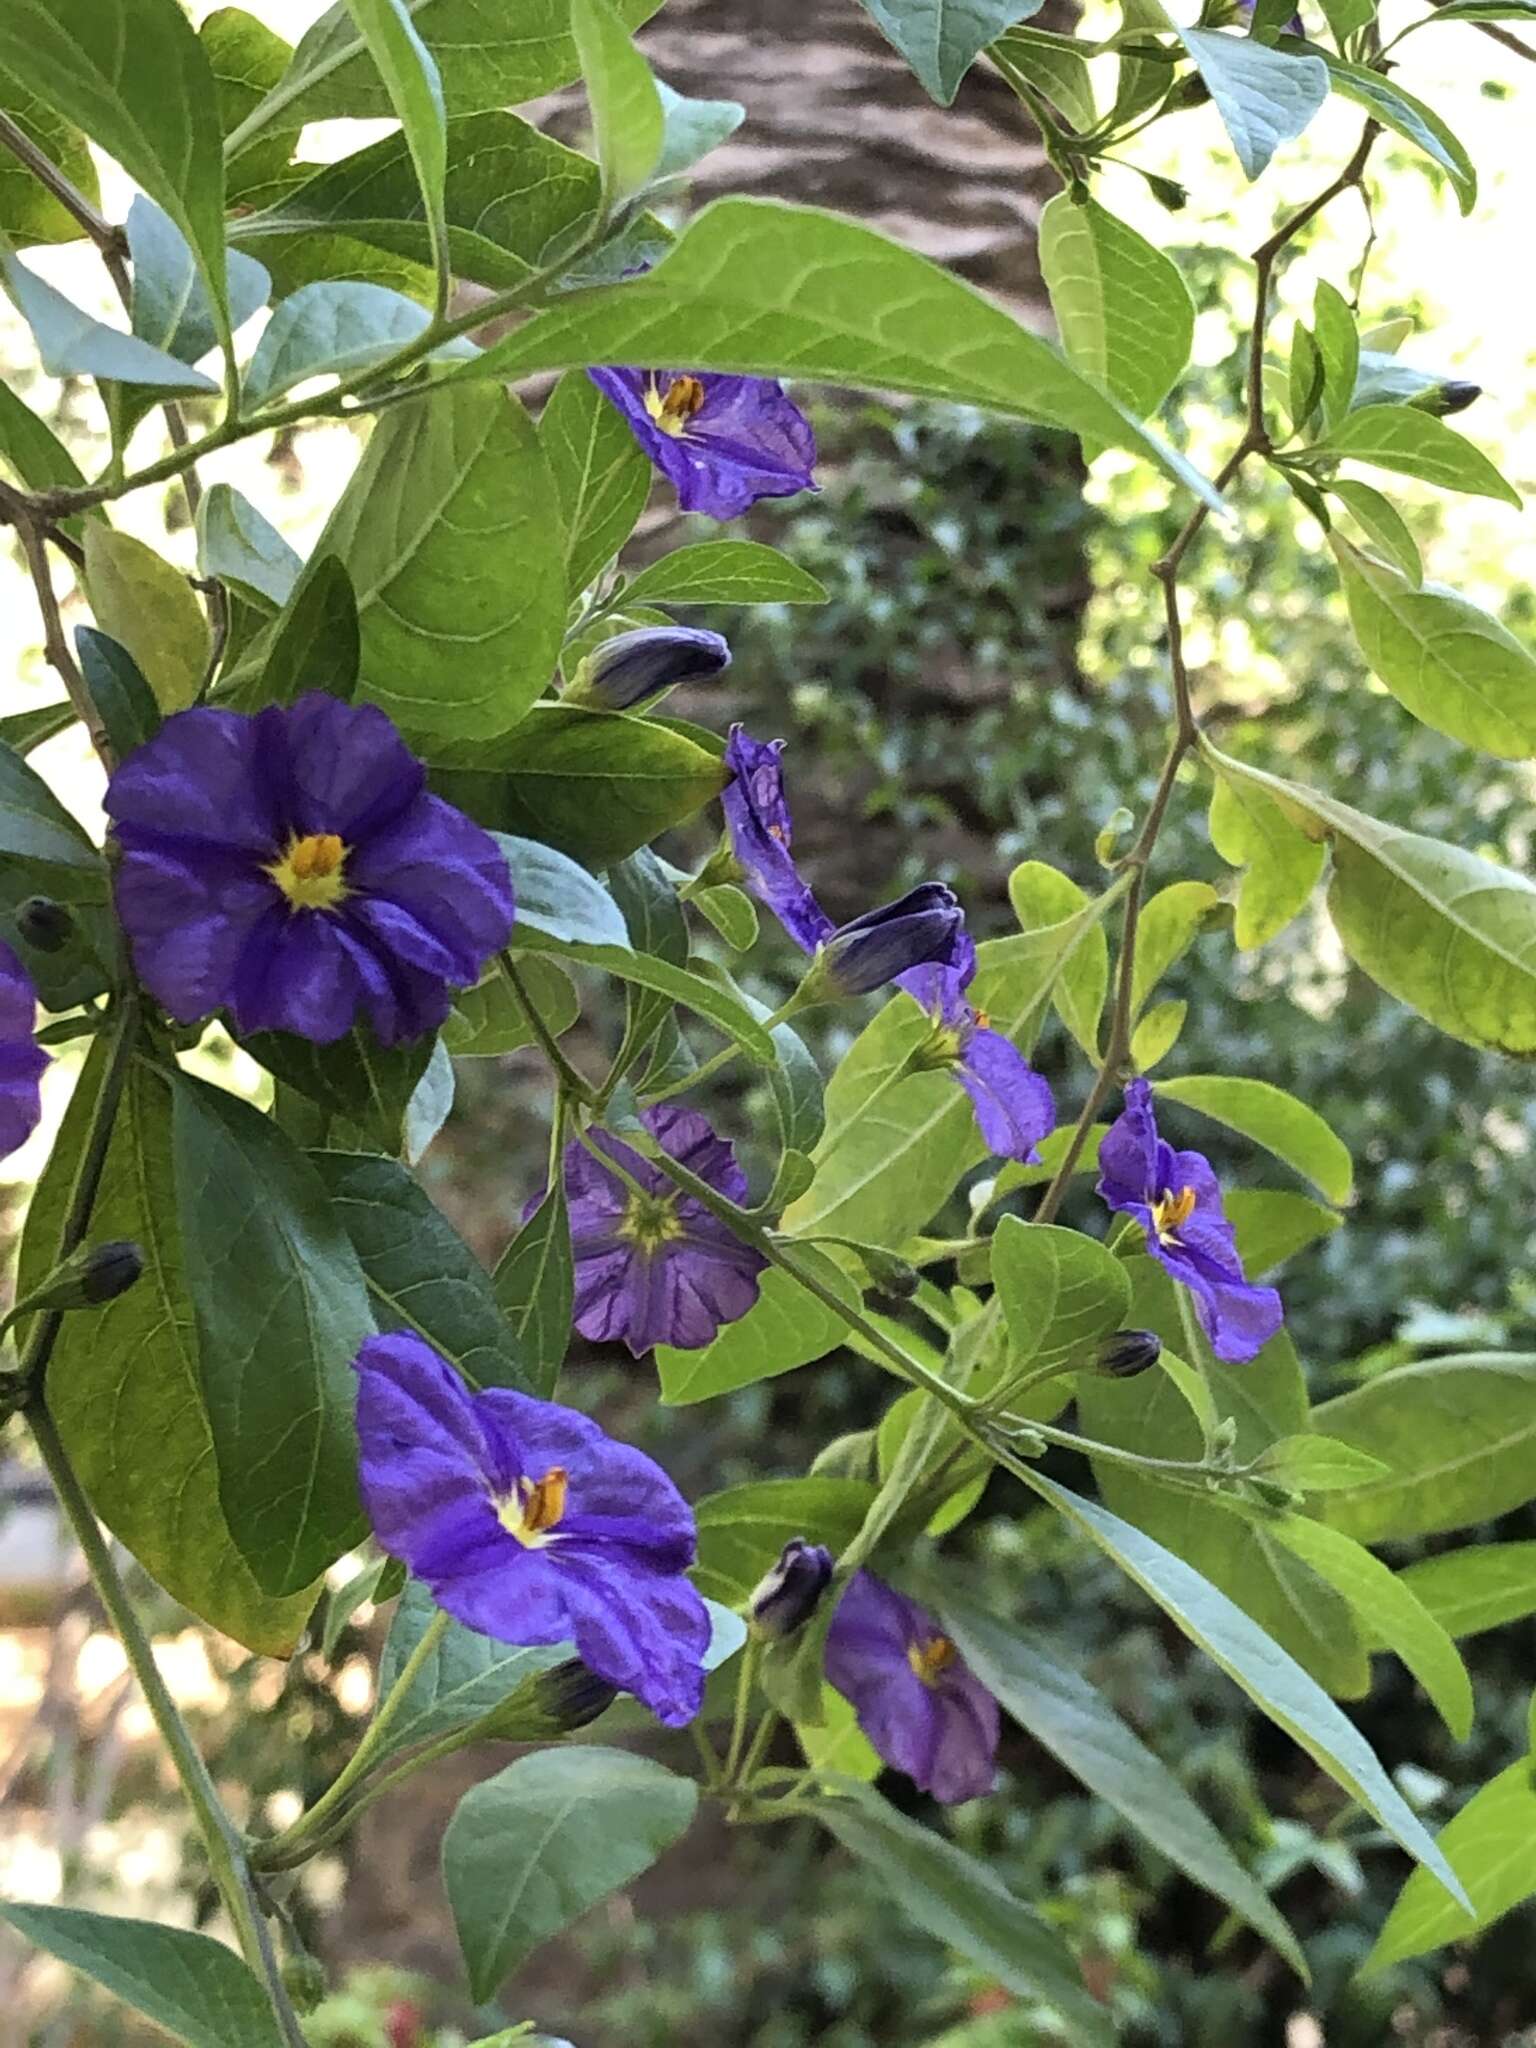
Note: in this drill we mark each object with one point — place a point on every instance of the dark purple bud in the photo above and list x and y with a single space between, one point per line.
1127 1353
1168 193
1451 396
88 1278
631 668
867 952
791 1591
571 1695
44 924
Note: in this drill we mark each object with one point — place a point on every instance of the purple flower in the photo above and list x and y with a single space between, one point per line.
723 442
761 832
292 867
1013 1104
1177 1200
530 1525
790 1591
916 1699
22 1059
632 668
868 951
655 1267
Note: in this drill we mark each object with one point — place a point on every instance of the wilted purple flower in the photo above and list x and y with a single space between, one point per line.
1177 1200
723 442
529 1524
631 668
761 832
1013 1104
292 867
22 1059
654 1266
921 1706
790 1591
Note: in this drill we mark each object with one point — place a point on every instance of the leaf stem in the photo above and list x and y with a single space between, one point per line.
571 1082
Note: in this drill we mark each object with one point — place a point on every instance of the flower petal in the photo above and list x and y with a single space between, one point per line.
1014 1106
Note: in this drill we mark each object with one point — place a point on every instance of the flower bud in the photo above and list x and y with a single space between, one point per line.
1453 395
88 1278
1168 193
572 1696
45 924
789 1594
1127 1353
897 1278
871 950
304 1982
631 668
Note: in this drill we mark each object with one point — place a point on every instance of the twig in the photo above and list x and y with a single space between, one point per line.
111 241
55 640
1490 29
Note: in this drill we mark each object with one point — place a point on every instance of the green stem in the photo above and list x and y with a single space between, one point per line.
759 1747
285 1852
746 1684
571 1082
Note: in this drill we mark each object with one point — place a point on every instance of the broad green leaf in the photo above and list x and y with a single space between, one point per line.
466 1677
247 59
314 645
706 999
1053 65
1457 1435
1042 895
732 913
487 1021
1317 1464
1386 1606
281 1309
1489 1846
122 697
1124 311
37 457
692 129
1255 1661
1308 377
1274 1119
448 534
244 550
421 1275
135 78
1484 1585
72 344
366 1084
194 1987
1272 1225
1060 1293
534 1284
46 853
1384 524
1280 863
1264 97
601 475
28 210
786 1327
628 124
1345 17
410 77
837 1743
725 572
1170 923
532 1848
1447 932
171 309
151 609
150 1475
743 1529
1077 1724
1157 1034
941 39
35 827
958 1900
1415 443
1386 101
653 915
558 900
331 329
1338 347
753 287
1447 661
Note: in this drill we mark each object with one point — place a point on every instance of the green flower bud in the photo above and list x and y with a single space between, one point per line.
304 1981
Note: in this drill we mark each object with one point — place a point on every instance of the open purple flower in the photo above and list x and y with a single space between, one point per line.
653 1266
22 1059
292 867
1177 1200
529 1524
723 442
1013 1104
919 1703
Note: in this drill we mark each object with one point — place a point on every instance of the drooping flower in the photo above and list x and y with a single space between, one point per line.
1177 1200
529 1524
1013 1104
923 1709
632 668
292 867
790 1591
762 833
653 1266
22 1059
722 442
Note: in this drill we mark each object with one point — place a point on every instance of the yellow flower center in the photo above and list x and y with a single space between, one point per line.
930 1658
649 1222
311 872
1170 1212
535 1509
672 413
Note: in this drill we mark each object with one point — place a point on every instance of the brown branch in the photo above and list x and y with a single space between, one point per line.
55 640
110 240
1499 35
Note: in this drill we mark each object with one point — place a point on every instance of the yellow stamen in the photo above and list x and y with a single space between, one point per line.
649 1222
311 871
983 1021
1171 1211
535 1509
672 413
930 1658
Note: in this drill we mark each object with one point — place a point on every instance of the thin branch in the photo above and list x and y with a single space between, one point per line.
1490 29
110 240
55 640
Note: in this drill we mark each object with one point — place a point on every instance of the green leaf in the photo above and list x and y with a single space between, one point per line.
35 827
134 76
602 478
123 699
47 853
1271 1678
1308 376
37 456
72 344
1389 1607
941 39
1264 97
1484 1585
1317 1464
628 123
1489 1847
534 1284
150 609
753 286
1457 1435
171 309
150 1475
959 1901
706 999
1053 65
786 1327
1041 895
1077 1724
1274 1119
1383 524
421 1275
331 329
1415 443
1452 935
1345 17
366 1587
693 129
355 1078
732 913
1280 863
1060 1292
725 572
1169 925
1338 346
244 550
315 644
1272 1225
532 1848
743 1529
558 899
28 210
281 1309
410 77
465 1678
1386 101
488 1021
198 1990
1157 1034
459 566
1124 311
247 59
